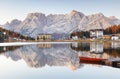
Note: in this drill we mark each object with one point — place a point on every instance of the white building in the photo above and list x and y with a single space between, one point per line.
75 37
114 37
96 33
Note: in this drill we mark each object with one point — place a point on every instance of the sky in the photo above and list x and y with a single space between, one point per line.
18 9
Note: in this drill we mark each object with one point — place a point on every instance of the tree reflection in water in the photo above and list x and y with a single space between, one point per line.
62 54
8 48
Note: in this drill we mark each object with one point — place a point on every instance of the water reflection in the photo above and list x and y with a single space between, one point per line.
41 55
80 46
68 55
8 48
96 47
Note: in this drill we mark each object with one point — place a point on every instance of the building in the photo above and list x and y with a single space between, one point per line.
114 37
75 37
96 33
44 37
107 37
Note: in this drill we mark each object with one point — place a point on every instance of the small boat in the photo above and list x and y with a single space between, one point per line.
88 60
100 61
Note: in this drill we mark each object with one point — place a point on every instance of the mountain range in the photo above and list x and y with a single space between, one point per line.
37 23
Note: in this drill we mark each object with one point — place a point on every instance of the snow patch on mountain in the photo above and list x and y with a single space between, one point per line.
37 23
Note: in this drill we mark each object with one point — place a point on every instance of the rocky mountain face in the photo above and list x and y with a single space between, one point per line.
37 23
11 26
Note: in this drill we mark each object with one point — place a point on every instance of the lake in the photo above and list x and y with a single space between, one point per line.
60 61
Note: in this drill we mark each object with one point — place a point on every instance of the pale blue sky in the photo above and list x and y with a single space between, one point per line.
11 9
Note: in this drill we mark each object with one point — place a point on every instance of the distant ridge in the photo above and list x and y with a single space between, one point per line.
36 23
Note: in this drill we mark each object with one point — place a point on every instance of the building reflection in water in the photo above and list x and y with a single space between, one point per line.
80 46
96 47
44 45
68 55
115 45
93 47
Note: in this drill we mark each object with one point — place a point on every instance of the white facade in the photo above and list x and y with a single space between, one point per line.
97 33
114 37
75 37
4 33
44 37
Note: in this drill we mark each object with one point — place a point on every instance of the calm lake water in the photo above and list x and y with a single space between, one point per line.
59 61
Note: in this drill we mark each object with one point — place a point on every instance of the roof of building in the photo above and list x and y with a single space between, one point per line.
114 35
96 29
44 34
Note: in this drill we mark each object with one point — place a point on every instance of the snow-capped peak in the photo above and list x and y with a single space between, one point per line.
76 13
99 14
32 15
73 12
112 17
12 25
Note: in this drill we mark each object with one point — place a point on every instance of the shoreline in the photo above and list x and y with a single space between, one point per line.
19 41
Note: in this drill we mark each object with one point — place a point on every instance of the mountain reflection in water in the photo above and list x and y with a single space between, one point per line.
62 54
